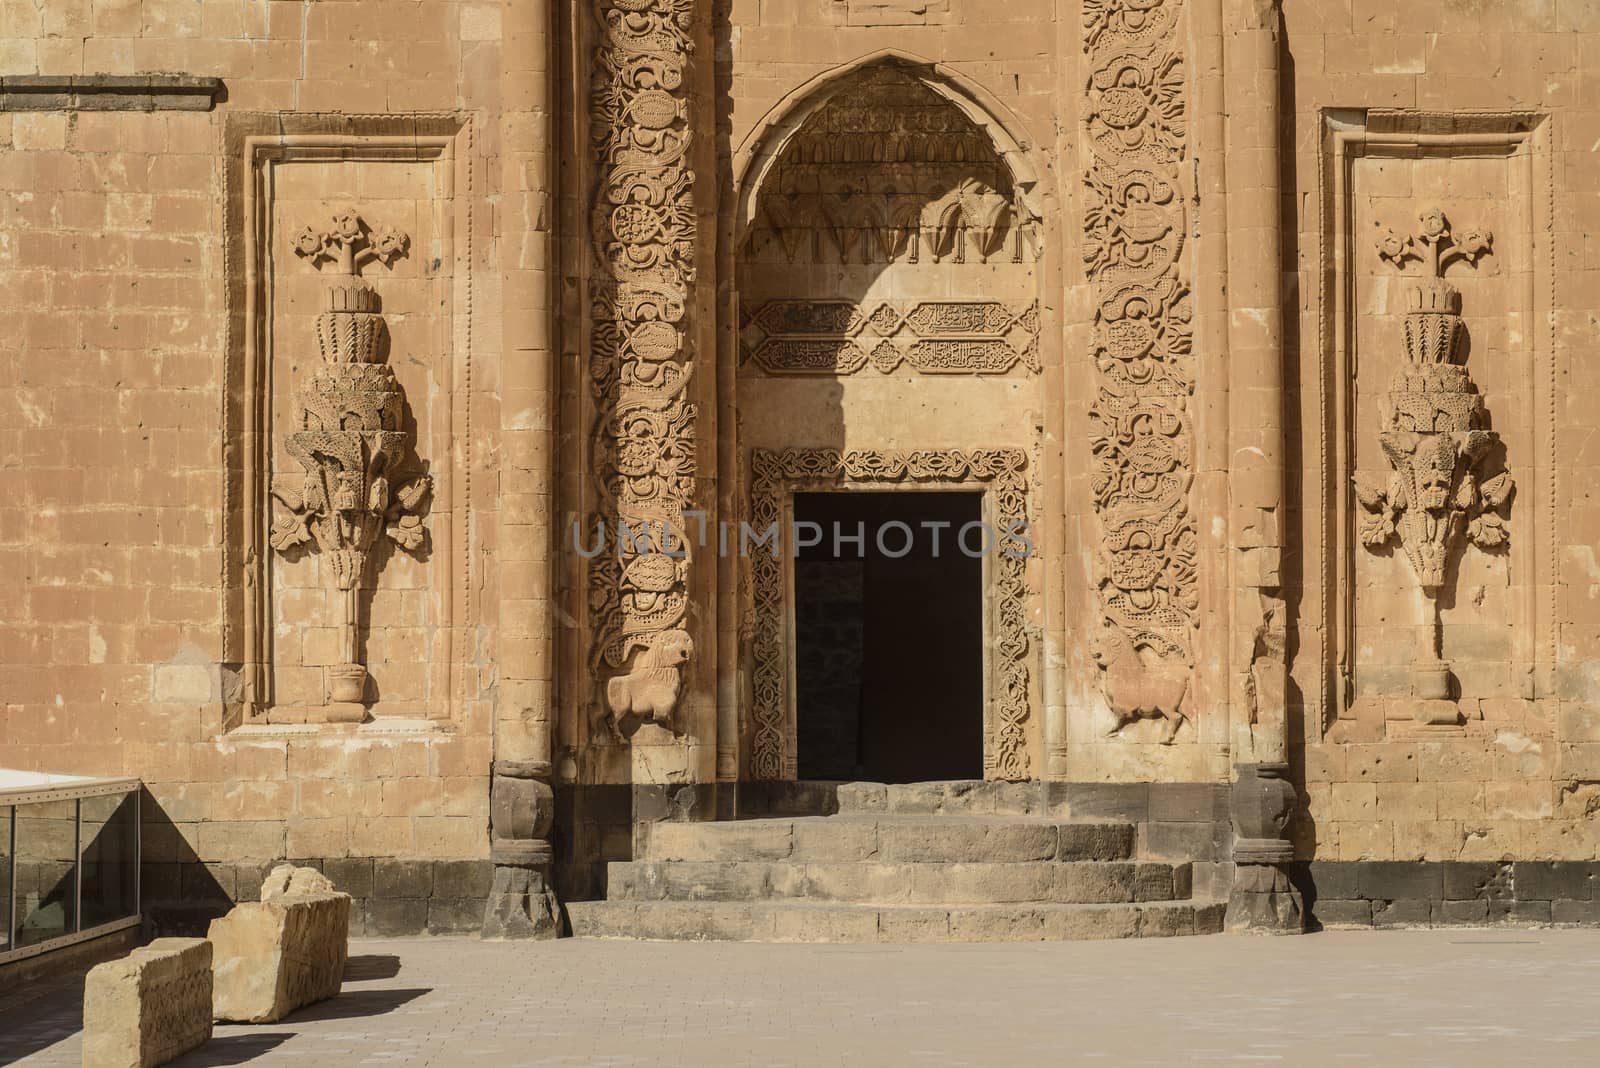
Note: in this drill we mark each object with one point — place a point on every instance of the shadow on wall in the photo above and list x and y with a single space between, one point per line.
181 894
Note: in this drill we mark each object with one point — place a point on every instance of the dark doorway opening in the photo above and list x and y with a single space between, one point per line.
889 637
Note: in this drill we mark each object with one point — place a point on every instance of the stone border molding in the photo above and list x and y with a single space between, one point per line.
776 475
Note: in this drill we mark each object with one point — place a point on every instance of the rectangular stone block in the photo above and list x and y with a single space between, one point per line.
1551 880
285 951
149 1007
1343 913
1399 881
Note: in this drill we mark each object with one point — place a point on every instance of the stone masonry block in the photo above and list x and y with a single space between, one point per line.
285 951
1399 881
149 1007
1550 880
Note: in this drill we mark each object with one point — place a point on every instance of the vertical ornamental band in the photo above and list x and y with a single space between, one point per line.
641 359
1135 223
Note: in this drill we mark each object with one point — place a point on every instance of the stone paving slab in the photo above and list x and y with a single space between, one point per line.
1457 998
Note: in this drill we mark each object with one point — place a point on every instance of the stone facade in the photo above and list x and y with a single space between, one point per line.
387 403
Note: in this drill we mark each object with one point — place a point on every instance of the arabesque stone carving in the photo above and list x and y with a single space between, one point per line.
642 358
1142 435
351 442
773 473
1436 438
931 337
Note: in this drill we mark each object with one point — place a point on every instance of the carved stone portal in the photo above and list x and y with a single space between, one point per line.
351 442
1436 439
777 473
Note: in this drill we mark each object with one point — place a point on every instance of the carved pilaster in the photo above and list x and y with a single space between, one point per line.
1263 900
351 443
1142 436
642 443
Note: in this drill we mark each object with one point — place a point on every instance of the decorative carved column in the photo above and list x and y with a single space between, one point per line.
1264 798
522 903
1141 420
642 360
351 443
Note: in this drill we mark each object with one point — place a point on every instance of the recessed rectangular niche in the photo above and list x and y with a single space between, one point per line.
1400 177
348 424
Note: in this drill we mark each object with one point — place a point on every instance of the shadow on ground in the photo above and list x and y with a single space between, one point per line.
41 1022
371 966
233 1049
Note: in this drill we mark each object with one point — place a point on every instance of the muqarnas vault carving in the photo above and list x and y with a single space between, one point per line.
641 362
1436 439
1141 431
351 442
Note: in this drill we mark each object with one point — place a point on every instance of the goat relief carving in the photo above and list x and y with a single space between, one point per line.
351 442
1435 437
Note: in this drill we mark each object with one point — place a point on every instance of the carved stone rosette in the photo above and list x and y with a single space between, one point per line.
641 358
1141 432
351 442
773 473
1435 438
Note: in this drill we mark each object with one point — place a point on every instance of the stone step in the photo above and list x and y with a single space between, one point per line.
932 883
790 921
963 797
888 838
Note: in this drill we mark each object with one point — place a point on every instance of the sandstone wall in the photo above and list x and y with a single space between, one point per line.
123 573
1493 119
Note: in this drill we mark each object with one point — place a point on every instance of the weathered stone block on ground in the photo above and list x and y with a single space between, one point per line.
287 950
149 1007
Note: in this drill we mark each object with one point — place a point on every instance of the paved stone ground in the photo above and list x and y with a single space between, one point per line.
1458 997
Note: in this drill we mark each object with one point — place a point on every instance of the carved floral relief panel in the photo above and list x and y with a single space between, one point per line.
350 433
641 360
1141 421
1434 439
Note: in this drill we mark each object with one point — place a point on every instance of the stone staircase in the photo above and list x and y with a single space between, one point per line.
930 862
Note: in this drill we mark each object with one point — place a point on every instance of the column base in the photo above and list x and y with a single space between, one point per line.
1264 901
521 905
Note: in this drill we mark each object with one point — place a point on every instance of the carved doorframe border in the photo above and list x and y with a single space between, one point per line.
776 475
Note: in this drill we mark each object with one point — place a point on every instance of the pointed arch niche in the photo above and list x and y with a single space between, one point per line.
887 279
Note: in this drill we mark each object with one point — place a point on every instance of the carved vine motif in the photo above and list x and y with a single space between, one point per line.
933 337
1142 435
1434 434
351 440
774 473
641 360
